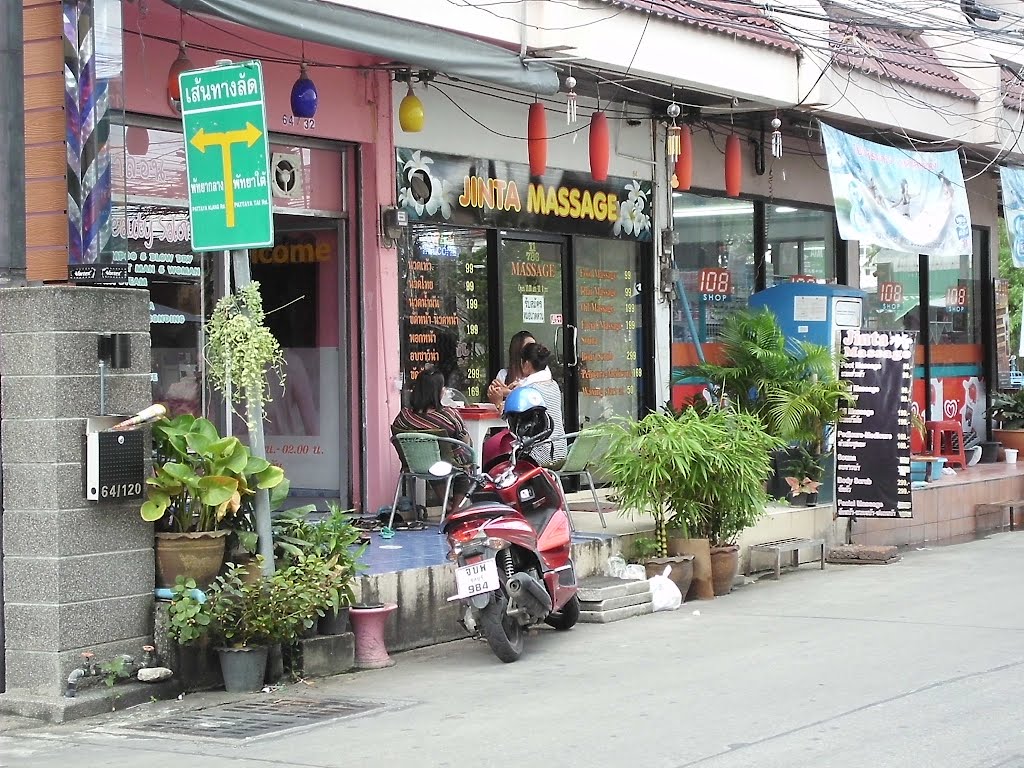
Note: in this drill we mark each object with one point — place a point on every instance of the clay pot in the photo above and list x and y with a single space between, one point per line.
368 627
700 586
193 555
682 570
725 563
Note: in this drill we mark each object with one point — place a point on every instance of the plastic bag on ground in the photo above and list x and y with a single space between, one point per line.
616 567
634 572
665 595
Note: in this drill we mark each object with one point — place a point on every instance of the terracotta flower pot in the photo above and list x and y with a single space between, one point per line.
368 627
725 563
682 570
194 555
700 586
1010 438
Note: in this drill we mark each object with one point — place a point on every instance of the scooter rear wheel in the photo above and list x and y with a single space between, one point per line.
567 617
504 634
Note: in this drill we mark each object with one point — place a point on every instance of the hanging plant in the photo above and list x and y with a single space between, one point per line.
241 351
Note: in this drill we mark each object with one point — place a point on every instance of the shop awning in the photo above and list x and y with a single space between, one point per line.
417 45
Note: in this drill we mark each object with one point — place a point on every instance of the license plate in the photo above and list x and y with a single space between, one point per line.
476 579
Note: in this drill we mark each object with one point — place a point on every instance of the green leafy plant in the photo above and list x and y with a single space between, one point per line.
240 612
1008 409
189 619
116 669
201 478
704 472
644 548
241 350
791 386
804 472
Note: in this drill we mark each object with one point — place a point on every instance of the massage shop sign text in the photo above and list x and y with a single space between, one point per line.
473 192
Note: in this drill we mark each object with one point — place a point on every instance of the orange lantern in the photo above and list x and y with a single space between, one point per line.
733 166
600 146
180 64
684 163
537 139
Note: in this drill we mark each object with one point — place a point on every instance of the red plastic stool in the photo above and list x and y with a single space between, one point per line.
943 436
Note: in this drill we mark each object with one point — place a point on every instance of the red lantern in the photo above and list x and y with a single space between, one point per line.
600 146
181 64
733 166
537 139
684 163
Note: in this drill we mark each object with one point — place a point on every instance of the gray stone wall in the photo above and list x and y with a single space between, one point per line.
78 575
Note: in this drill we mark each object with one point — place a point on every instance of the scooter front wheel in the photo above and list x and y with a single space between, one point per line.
503 633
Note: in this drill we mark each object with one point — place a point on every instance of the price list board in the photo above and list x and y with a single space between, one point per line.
608 308
873 434
444 314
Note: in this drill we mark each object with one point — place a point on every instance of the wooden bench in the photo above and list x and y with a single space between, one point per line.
793 546
1015 509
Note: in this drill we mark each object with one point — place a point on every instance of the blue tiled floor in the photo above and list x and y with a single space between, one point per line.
420 549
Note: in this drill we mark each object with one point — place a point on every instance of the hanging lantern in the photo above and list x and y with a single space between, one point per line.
684 164
410 112
600 146
181 64
304 95
570 100
733 166
537 139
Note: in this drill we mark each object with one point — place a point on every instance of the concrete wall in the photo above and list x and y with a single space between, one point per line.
78 575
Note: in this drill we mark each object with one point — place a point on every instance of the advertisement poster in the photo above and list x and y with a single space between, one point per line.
1012 181
873 435
914 202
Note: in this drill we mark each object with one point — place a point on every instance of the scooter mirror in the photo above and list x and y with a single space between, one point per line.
441 469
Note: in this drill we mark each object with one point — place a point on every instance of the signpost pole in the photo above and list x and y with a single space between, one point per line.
228 410
257 443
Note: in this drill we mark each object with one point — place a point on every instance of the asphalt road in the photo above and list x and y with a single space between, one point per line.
920 663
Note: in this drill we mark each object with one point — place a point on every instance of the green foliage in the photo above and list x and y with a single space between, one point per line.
791 386
804 472
1008 409
241 611
705 471
189 620
114 670
201 478
241 350
645 548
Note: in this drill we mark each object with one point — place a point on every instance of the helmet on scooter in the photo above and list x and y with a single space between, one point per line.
526 414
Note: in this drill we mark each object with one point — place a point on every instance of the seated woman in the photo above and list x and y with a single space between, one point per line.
425 412
507 378
536 374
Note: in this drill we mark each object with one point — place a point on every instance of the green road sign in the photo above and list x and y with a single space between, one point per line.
225 126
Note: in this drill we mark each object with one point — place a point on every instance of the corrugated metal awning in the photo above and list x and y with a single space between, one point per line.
406 42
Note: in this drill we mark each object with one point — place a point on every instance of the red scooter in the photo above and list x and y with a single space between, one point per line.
511 543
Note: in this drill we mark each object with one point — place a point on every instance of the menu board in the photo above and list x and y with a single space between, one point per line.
444 312
873 435
608 306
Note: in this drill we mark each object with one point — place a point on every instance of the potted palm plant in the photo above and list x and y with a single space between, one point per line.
792 386
200 482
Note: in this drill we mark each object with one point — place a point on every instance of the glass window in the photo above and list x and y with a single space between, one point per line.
443 288
802 242
714 252
892 284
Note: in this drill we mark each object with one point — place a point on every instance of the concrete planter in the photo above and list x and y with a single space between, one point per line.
701 587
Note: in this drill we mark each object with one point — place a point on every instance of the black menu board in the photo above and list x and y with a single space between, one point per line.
873 434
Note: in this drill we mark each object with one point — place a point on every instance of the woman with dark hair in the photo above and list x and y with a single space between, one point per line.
535 373
507 378
425 412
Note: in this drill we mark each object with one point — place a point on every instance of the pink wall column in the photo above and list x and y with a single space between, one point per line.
355 107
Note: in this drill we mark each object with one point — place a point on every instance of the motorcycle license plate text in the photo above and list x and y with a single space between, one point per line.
476 579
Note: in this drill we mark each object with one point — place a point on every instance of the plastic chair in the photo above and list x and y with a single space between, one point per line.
419 451
943 436
584 451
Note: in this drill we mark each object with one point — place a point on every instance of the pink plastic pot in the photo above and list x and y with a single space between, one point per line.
368 628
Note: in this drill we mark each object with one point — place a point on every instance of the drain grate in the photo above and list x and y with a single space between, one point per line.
261 717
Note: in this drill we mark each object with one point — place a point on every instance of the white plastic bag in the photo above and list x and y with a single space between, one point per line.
634 572
616 567
665 595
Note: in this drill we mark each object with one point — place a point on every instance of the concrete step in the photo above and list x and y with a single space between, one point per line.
614 603
617 614
594 589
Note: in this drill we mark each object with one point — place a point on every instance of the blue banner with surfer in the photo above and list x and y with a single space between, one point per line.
914 202
1012 180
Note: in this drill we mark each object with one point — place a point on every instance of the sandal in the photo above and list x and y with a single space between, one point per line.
415 525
